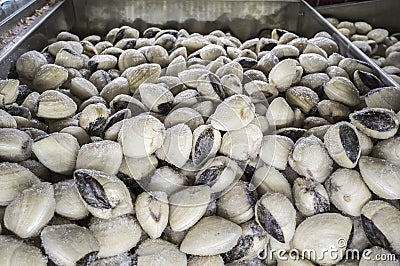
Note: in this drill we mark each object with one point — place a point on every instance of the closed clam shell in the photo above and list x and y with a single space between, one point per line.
166 179
130 58
279 113
242 144
186 98
14 178
152 212
57 151
187 206
8 91
332 111
210 85
137 168
83 88
387 149
237 205
260 91
341 141
206 143
176 146
28 64
283 74
15 145
320 232
302 97
16 252
69 244
378 35
342 90
381 177
31 210
7 120
310 197
310 159
116 235
268 179
313 63
379 123
211 236
93 118
275 150
152 252
268 211
233 67
384 98
233 113
55 105
335 71
155 54
104 196
156 97
380 221
103 61
68 202
140 136
285 51
219 173
328 45
77 132
177 65
351 65
105 156
347 191
139 74
205 261
68 57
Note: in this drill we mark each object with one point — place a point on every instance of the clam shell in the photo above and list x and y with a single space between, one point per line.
55 105
280 147
283 74
140 74
211 236
28 64
17 252
152 252
206 143
68 202
15 145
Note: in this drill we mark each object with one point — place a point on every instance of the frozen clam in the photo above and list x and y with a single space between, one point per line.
233 113
8 91
347 191
103 195
68 202
187 206
381 177
283 74
275 150
15 145
342 90
341 141
153 251
211 236
165 179
310 159
205 261
156 97
69 244
280 114
31 210
116 235
387 149
206 143
268 211
380 222
57 151
93 118
152 212
310 197
17 252
142 73
28 64
321 232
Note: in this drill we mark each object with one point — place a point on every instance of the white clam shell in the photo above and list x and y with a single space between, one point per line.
275 150
152 252
68 202
211 236
16 252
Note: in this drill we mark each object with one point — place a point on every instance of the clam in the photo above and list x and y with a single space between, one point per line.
115 236
322 232
53 104
380 221
185 115
8 91
16 252
206 143
210 85
260 91
315 80
69 244
238 203
379 123
67 57
280 114
155 54
15 145
29 63
366 82
347 191
31 210
235 112
275 150
302 97
187 206
341 141
68 202
165 179
310 197
284 74
242 144
284 51
105 156
140 74
130 58
381 177
313 63
342 90
83 88
211 236
57 151
332 111
280 225
156 97
137 168
384 98
388 150
310 159
104 196
152 212
100 79
378 35
151 252
140 136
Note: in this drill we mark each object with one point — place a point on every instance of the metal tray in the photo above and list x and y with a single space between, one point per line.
378 13
244 19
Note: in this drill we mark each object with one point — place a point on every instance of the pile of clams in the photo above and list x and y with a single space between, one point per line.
168 148
378 43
